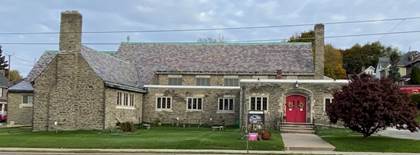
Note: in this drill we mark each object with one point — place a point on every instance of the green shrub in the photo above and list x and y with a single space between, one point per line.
127 126
416 99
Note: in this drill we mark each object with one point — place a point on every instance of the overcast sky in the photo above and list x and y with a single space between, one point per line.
103 15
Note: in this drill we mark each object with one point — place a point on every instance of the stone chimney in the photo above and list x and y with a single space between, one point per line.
319 51
70 31
279 74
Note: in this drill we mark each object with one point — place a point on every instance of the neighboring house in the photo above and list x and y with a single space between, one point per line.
370 71
4 83
187 83
383 67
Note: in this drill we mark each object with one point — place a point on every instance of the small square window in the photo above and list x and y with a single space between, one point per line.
163 103
203 81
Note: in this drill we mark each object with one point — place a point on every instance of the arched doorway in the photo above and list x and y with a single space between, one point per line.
295 108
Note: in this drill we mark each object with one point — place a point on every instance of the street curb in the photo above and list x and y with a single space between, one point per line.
184 151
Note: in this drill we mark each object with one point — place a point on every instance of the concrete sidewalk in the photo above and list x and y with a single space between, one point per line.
176 151
305 142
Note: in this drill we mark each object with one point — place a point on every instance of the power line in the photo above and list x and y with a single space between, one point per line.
216 29
233 41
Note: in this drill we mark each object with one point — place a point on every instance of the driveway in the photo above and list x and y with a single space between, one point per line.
404 134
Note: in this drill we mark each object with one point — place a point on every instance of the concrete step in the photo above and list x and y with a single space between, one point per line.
295 128
297 131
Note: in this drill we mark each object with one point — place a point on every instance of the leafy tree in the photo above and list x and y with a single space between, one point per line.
394 73
415 75
358 56
333 64
14 76
367 105
3 62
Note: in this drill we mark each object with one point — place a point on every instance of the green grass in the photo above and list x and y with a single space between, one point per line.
155 138
349 141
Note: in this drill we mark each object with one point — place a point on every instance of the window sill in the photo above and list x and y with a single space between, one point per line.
225 111
164 110
125 107
25 105
194 110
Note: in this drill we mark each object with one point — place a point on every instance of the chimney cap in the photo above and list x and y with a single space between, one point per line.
319 25
74 12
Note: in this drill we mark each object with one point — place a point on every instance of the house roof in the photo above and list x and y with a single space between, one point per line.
4 82
41 64
111 69
22 86
217 57
383 62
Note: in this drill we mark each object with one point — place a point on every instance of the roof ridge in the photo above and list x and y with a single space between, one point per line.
219 43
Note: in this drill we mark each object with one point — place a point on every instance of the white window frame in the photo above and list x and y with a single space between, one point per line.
224 110
3 110
230 77
28 104
166 99
175 77
202 77
192 103
262 105
1 92
125 100
325 102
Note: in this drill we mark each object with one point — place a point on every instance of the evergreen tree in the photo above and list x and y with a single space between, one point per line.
394 73
3 62
415 76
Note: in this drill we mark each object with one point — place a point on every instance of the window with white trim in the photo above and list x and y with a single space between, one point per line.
174 79
327 100
194 103
27 99
258 103
231 81
125 99
163 103
226 104
202 80
1 92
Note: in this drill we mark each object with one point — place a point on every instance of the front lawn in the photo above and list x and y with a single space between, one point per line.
347 140
155 138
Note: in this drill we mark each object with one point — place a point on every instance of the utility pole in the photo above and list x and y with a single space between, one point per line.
10 64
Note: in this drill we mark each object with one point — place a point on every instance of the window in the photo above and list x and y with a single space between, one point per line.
131 100
327 100
194 104
231 81
226 104
202 80
163 103
125 99
174 79
1 92
258 103
27 99
119 98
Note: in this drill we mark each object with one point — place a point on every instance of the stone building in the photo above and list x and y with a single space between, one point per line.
4 84
180 83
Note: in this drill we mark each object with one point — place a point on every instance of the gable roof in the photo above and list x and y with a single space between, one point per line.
110 69
230 57
41 64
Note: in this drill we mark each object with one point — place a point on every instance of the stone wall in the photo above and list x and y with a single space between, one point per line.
277 93
68 92
209 115
114 113
19 113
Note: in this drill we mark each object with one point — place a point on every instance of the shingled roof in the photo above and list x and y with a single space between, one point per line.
234 57
114 71
40 65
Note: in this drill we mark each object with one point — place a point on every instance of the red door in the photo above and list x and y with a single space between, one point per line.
295 108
